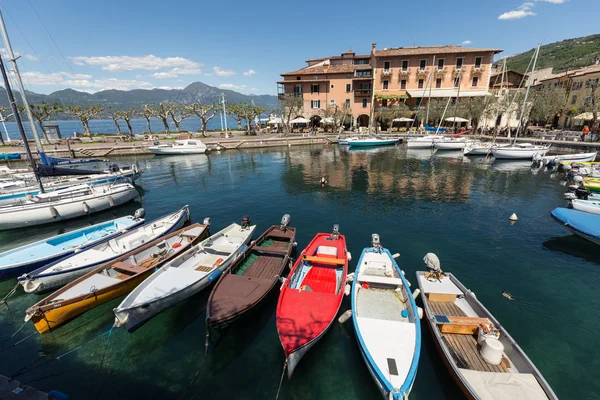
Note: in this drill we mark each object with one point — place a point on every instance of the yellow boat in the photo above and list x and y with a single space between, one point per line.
592 183
111 280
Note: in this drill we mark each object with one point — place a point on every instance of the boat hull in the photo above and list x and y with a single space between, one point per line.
450 145
372 143
589 206
570 158
582 224
518 154
294 357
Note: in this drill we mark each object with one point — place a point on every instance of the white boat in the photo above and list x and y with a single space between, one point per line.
183 276
344 141
54 275
519 151
451 144
180 147
422 142
484 360
64 204
371 141
589 206
570 158
386 322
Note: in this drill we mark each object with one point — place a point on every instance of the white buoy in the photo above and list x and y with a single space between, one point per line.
420 312
345 316
416 293
347 289
349 256
513 217
396 256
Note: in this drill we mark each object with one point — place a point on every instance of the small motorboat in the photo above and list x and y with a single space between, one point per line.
386 321
372 141
184 276
519 151
422 142
248 280
35 255
311 296
110 280
484 360
451 144
581 223
588 206
570 158
592 184
59 273
188 146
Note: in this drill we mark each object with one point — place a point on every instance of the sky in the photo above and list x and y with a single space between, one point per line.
245 45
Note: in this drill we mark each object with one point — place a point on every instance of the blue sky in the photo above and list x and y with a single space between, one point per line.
244 45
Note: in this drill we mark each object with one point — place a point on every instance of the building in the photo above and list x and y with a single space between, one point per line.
384 78
506 79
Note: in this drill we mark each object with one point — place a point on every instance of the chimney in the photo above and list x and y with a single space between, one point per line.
373 47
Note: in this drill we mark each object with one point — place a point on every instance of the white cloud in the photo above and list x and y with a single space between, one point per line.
221 72
253 89
231 86
82 82
175 72
250 72
17 54
466 42
553 1
131 63
30 57
525 9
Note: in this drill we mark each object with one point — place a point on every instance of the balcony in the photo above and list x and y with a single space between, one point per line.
362 92
458 70
404 72
280 96
386 73
422 71
477 69
440 71
362 77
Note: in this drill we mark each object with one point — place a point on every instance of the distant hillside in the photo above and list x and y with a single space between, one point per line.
123 99
568 54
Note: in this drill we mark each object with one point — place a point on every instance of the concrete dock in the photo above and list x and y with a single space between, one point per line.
14 390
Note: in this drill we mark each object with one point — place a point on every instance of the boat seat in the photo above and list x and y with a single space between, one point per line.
384 280
128 268
327 251
460 325
194 232
324 260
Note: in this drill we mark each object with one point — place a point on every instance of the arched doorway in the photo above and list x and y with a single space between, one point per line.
315 120
362 120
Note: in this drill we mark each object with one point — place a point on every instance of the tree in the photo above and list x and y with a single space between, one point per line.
42 113
290 106
236 110
147 111
249 112
162 111
85 114
205 112
114 115
436 111
178 112
476 108
548 102
127 115
592 102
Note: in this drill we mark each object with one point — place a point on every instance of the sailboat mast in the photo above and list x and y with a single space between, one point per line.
13 61
224 115
13 104
430 88
456 102
537 52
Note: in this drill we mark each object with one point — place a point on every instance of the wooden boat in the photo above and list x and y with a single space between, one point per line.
184 276
59 273
311 296
484 360
581 223
248 280
519 151
35 255
179 147
386 321
111 280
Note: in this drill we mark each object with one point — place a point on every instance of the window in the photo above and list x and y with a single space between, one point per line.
441 62
348 88
364 103
363 73
574 99
403 84
475 81
332 86
386 66
421 82
298 89
459 62
347 102
478 61
456 82
386 84
384 103
361 61
298 78
315 104
405 65
314 88
422 64
332 103
438 83
348 76
316 77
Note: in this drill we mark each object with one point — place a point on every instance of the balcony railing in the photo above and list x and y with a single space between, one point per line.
362 92
363 77
422 71
477 68
458 70
280 96
440 70
386 73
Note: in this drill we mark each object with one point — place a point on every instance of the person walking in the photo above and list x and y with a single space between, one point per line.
584 132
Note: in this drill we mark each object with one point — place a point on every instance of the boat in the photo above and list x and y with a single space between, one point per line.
343 141
422 142
10 156
434 129
386 321
180 147
588 206
592 184
110 280
248 280
183 276
519 151
479 148
581 223
372 141
569 158
311 296
484 360
54 275
73 202
451 144
35 255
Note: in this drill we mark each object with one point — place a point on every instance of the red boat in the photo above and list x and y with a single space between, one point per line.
311 296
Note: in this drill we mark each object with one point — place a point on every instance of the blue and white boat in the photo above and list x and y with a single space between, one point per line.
59 273
581 223
386 321
35 255
372 141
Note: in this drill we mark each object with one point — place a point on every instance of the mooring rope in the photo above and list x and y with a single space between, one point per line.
281 379
13 335
102 361
200 367
9 294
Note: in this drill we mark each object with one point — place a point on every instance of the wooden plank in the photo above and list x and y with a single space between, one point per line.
325 260
458 329
441 297
466 346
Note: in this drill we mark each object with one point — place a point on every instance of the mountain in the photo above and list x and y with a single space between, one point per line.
564 55
122 99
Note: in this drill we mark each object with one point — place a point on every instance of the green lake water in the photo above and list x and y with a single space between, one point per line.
417 202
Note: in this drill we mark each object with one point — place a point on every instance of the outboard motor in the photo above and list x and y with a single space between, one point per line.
139 213
285 221
434 269
114 168
375 242
537 161
245 221
582 193
336 232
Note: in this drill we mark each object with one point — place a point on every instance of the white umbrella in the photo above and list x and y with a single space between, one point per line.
588 116
456 119
299 120
328 120
274 121
402 119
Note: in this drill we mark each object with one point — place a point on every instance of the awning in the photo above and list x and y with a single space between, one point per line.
456 119
402 119
299 120
588 116
274 121
447 93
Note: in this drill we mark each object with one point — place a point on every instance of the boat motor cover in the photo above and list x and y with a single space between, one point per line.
432 262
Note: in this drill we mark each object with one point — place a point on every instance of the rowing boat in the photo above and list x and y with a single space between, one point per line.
588 206
386 321
248 280
59 273
311 296
581 223
183 276
35 255
110 280
484 360
519 151
570 158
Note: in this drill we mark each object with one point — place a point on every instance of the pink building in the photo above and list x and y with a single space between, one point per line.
404 74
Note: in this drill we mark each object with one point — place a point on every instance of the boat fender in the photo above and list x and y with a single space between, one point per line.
218 262
345 316
349 255
396 256
86 208
408 283
420 312
111 201
139 213
295 244
350 277
403 273
214 276
176 245
53 212
347 289
416 293
205 222
55 394
282 283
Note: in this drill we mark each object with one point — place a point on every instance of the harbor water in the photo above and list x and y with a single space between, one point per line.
418 202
